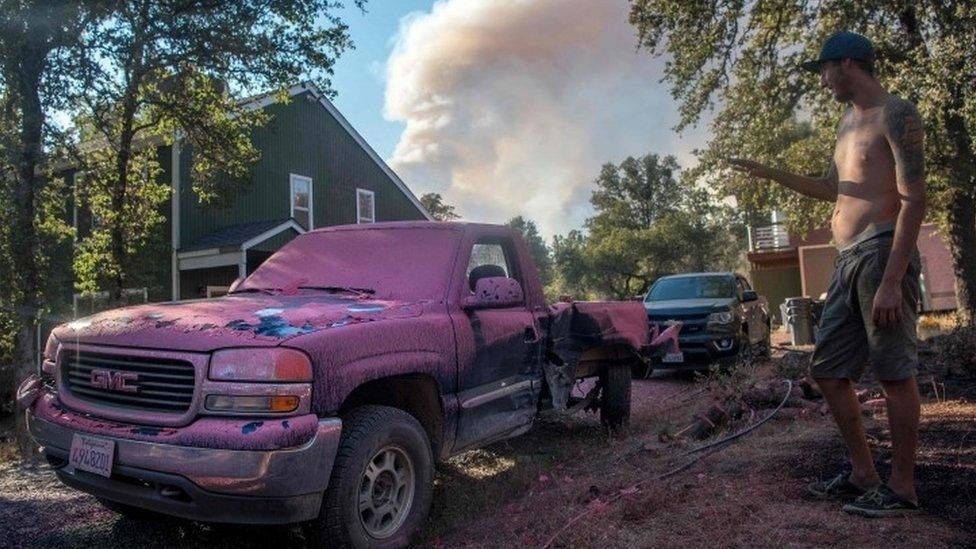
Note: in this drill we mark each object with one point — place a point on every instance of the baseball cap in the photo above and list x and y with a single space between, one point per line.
842 45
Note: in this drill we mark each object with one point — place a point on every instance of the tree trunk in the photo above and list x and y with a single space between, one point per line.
962 245
23 242
121 187
134 72
962 217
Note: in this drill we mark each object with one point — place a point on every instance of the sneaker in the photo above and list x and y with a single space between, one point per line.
881 502
837 488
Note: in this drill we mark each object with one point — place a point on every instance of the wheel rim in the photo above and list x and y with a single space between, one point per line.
386 492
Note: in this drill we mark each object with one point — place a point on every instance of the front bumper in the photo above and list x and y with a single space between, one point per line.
708 347
209 484
703 342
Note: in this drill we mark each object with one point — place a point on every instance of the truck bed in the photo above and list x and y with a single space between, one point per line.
585 333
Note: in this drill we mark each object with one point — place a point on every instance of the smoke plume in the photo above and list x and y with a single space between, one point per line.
511 107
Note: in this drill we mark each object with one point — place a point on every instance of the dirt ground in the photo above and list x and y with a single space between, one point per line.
525 491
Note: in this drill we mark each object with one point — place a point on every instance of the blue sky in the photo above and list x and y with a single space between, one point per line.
359 73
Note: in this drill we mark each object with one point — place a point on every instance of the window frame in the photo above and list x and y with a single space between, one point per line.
292 177
372 203
511 259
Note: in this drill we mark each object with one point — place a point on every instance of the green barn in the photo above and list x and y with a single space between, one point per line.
315 170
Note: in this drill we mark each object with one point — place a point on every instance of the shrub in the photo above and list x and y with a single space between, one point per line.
951 354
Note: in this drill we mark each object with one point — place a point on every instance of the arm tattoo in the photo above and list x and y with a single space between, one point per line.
905 134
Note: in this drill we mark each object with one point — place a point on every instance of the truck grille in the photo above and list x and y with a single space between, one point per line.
137 383
691 323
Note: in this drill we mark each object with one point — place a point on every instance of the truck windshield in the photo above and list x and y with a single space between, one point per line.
691 287
410 263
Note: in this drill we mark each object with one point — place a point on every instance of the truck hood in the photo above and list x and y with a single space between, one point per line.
251 320
702 306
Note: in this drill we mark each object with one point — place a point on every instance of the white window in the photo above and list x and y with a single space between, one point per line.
301 200
365 206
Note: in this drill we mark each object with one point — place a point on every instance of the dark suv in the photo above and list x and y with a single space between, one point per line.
721 315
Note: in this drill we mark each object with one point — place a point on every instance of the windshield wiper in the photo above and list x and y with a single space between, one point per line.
338 289
269 291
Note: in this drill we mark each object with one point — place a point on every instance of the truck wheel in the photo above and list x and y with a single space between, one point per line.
615 398
381 484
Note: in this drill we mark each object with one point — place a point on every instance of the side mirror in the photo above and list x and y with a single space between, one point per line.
233 285
495 292
749 295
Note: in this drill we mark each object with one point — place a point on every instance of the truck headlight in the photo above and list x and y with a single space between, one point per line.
724 317
261 364
48 364
258 381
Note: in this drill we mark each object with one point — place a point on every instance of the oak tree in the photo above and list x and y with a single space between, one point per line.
737 64
160 71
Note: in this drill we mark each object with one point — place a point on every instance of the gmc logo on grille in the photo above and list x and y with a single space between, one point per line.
114 381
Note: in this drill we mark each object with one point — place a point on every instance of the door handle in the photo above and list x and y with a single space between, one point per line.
530 335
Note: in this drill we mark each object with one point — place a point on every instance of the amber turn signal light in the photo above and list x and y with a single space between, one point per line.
251 404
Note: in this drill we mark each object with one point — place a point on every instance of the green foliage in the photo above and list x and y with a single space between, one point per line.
37 41
635 194
740 62
138 216
124 189
54 234
570 267
438 209
538 249
648 223
159 71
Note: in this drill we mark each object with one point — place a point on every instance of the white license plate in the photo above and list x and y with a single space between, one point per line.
92 454
672 358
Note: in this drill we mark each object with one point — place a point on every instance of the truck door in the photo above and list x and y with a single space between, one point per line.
499 354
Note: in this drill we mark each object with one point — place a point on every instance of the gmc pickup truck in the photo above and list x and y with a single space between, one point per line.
322 389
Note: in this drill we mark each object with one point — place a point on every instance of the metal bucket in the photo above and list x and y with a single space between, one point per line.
799 320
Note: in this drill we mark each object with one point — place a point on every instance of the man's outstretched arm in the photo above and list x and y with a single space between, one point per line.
824 188
903 130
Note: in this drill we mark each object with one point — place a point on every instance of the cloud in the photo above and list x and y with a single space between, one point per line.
510 108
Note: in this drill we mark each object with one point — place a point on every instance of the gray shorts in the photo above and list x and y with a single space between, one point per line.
848 339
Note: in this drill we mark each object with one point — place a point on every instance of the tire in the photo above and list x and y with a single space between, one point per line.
615 399
133 512
384 455
766 349
747 351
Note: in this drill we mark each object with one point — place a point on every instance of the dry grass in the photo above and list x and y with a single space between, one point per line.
9 452
752 494
522 491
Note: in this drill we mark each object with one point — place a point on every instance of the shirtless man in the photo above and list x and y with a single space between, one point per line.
876 180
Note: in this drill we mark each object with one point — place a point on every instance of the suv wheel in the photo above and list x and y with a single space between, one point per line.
766 345
381 484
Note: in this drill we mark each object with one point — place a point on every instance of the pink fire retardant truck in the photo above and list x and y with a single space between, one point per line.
325 385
